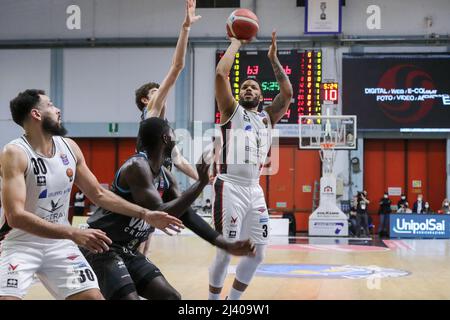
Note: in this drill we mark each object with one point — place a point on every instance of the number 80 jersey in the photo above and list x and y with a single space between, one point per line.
48 182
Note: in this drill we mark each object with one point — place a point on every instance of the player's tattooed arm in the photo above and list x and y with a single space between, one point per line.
224 96
282 101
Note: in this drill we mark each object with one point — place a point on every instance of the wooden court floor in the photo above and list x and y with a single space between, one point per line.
423 266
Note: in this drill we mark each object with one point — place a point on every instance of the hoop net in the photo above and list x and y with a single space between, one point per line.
327 155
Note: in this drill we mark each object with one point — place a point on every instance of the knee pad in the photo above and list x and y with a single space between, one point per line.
247 266
218 270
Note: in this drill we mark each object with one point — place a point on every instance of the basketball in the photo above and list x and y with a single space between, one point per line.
242 24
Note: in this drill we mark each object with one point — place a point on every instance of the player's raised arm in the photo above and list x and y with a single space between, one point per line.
282 101
157 103
224 95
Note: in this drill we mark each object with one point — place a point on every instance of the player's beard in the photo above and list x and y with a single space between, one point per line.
249 104
53 127
169 149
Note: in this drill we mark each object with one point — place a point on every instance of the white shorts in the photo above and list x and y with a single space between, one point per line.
61 267
240 212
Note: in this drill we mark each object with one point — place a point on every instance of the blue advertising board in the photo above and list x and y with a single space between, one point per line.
425 226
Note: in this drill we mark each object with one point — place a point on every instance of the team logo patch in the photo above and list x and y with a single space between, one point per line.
12 283
41 181
232 234
12 267
324 271
69 173
64 159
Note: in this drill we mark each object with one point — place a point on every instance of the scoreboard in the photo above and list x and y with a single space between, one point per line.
303 67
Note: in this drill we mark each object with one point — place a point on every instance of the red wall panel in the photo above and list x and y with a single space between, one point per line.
103 159
126 148
395 167
436 158
374 171
416 169
281 185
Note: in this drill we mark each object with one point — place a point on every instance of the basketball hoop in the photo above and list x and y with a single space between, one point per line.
327 145
328 156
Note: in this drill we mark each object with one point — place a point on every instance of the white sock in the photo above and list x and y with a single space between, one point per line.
213 296
235 294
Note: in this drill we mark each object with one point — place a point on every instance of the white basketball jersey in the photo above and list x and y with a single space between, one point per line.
48 182
245 140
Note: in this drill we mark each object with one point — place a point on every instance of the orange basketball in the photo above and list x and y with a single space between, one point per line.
242 24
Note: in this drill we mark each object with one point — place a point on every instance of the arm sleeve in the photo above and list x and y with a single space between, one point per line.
199 226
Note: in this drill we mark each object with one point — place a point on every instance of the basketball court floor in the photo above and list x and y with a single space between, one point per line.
304 268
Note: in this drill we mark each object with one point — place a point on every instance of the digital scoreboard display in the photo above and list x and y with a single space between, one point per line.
398 92
330 92
303 67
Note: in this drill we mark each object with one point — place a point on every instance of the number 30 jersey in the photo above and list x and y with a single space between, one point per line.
48 185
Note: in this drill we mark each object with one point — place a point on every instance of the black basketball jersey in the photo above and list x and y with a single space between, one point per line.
123 230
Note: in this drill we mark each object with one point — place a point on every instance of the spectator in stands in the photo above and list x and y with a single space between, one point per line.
445 207
419 204
401 201
384 212
363 197
427 209
354 226
404 208
207 207
363 220
79 203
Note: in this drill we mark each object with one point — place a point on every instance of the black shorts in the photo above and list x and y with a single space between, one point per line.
120 270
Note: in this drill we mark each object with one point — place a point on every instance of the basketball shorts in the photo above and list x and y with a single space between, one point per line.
121 270
240 212
60 266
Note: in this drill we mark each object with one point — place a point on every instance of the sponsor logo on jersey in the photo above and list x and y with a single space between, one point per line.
43 194
246 117
54 216
263 220
132 243
41 181
12 267
69 173
234 220
73 257
232 234
262 210
64 159
248 127
12 283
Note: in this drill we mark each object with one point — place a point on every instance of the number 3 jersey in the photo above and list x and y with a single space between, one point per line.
48 185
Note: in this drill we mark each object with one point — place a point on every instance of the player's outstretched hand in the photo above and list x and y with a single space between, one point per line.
203 165
92 239
163 221
190 13
241 248
272 54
